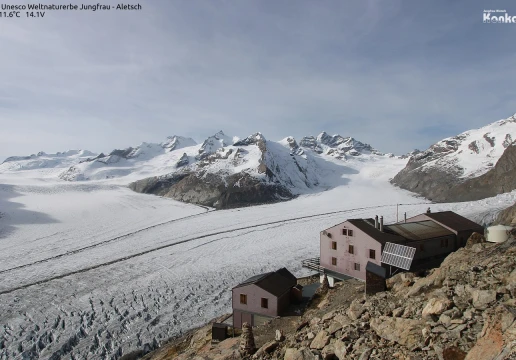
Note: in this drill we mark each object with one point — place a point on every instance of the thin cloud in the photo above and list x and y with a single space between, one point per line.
388 73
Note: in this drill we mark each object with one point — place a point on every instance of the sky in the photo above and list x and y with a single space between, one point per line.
396 74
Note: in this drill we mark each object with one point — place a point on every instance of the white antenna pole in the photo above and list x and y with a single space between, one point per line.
397 219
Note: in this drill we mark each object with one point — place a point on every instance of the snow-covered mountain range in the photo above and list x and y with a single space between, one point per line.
222 171
225 171
445 171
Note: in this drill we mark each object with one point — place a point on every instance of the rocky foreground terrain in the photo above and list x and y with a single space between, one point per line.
507 216
465 309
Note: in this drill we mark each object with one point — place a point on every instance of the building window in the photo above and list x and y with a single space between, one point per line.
265 303
357 266
328 235
350 232
345 232
334 261
372 254
351 249
243 299
444 242
334 245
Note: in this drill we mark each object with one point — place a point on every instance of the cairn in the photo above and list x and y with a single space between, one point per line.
247 345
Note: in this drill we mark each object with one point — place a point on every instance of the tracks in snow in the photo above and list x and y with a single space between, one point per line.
76 251
89 268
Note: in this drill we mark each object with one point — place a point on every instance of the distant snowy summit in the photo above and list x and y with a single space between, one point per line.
451 169
222 171
227 171
337 146
43 160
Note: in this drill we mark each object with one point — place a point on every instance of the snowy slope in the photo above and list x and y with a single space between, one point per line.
471 153
94 270
280 169
42 160
291 164
214 143
470 166
253 170
177 142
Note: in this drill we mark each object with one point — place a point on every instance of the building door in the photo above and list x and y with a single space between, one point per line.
248 318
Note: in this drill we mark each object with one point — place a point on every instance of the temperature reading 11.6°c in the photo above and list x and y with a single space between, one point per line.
19 14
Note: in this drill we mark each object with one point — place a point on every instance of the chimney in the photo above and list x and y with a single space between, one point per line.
381 223
428 211
376 222
405 217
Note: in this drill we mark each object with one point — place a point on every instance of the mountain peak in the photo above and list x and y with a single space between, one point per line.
251 139
214 142
220 134
337 145
175 142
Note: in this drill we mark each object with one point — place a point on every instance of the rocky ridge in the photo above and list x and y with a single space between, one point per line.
252 170
465 309
337 146
470 166
219 188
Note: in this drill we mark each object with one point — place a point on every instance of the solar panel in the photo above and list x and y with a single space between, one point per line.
398 255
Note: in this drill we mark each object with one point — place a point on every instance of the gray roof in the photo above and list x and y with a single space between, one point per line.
420 230
454 221
254 279
367 226
276 283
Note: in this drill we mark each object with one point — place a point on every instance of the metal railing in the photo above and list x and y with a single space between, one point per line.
313 264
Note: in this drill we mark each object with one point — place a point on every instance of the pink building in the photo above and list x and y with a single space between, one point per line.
263 296
346 248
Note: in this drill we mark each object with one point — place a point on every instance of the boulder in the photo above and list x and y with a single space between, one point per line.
334 327
366 354
342 319
340 349
328 316
267 348
483 298
489 345
436 306
299 354
475 238
231 355
355 310
328 353
321 340
407 332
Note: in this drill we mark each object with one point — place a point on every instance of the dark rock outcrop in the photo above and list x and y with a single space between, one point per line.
310 142
213 190
446 186
183 161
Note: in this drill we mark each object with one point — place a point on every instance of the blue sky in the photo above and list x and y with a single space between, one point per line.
396 74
